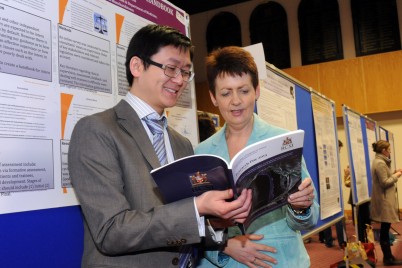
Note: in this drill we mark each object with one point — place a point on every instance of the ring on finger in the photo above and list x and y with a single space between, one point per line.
309 198
255 258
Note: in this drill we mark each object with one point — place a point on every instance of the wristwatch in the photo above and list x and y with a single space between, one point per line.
301 211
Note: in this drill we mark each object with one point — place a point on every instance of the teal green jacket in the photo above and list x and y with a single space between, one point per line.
281 227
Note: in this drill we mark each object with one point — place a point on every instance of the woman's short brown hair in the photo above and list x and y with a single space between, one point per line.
233 61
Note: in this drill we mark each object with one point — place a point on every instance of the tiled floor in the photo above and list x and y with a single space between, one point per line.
323 257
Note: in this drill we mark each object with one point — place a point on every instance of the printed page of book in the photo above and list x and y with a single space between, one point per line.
272 169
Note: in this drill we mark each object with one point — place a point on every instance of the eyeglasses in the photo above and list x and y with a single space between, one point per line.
173 71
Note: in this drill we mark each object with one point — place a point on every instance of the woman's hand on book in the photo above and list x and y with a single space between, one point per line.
216 203
303 198
247 250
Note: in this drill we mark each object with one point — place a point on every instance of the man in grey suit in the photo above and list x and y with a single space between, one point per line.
111 154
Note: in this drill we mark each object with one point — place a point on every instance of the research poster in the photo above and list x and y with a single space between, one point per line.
392 145
62 60
278 96
388 136
358 161
371 135
327 155
277 101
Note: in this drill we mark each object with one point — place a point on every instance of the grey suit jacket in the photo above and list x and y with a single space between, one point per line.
125 221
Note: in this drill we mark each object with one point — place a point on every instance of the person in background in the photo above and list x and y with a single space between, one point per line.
274 239
206 126
325 236
384 206
111 155
347 182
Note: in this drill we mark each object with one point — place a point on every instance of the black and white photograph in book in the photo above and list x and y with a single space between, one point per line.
272 182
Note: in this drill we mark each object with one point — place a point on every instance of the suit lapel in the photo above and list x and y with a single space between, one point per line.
128 119
175 142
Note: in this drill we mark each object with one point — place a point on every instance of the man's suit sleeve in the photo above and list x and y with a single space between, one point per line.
121 206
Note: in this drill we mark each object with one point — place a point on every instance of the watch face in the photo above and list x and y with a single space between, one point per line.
299 211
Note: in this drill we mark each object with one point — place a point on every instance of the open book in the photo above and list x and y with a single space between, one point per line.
271 168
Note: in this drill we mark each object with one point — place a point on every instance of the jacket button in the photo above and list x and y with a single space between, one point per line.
175 261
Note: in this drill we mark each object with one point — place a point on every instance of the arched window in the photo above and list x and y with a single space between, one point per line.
223 30
320 31
268 25
375 24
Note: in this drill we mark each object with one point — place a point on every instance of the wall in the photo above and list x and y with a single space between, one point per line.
199 23
363 83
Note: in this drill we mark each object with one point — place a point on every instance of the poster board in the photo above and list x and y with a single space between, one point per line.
279 93
387 135
383 133
62 60
360 132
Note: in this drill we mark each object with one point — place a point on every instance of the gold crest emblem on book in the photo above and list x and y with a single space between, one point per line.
198 178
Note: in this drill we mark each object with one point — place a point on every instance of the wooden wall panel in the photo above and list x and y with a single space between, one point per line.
369 84
307 74
383 81
341 81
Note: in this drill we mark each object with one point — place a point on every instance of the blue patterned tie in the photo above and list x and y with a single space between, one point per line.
185 257
156 126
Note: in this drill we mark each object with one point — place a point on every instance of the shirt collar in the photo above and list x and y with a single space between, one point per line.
142 108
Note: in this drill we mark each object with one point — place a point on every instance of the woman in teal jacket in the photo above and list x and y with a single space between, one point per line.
273 240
